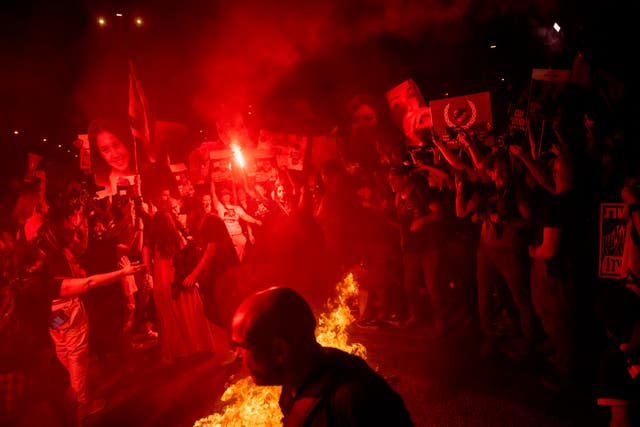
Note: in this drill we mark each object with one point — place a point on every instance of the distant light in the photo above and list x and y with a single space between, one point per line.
502 79
249 113
68 151
556 27
16 132
446 94
75 155
493 46
119 15
102 22
138 21
44 139
59 145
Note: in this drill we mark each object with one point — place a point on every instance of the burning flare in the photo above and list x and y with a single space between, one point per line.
257 406
237 154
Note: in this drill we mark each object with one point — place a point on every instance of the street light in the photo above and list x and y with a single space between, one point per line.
138 22
101 21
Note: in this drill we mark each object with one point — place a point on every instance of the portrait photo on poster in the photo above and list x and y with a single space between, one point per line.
112 155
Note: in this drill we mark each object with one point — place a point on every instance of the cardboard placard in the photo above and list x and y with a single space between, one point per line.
289 150
546 89
409 110
220 165
613 228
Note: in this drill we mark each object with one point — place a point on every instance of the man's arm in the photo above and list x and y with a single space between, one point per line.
205 259
550 244
76 286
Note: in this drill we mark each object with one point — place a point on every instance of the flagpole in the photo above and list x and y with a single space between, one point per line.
135 143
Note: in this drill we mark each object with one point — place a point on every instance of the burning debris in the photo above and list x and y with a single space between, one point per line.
257 406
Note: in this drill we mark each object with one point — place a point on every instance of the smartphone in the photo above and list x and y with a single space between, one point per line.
58 318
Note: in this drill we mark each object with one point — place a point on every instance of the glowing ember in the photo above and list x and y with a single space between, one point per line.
257 406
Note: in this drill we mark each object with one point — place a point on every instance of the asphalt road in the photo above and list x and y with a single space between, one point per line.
443 382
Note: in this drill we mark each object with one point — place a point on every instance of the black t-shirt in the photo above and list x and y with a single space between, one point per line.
563 212
416 205
345 391
215 231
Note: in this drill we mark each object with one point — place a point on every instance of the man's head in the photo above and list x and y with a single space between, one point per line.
207 203
225 196
500 169
272 330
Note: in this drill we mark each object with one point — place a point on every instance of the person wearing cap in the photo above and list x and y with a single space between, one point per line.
274 332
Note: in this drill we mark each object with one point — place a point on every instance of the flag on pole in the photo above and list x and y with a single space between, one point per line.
140 120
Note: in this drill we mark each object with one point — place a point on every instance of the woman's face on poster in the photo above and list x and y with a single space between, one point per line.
113 151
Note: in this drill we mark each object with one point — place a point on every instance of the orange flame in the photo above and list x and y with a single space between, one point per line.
257 406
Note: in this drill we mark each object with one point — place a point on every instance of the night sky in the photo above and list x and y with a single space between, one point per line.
289 60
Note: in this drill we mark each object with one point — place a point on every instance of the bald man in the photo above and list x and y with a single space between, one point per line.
274 332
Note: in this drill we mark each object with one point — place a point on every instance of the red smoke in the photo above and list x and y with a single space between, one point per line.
254 44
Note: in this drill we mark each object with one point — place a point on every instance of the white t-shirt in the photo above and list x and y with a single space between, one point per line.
231 216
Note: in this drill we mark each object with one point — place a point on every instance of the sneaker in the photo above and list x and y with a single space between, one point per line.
90 408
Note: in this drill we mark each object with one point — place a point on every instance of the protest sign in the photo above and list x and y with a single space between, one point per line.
612 236
468 112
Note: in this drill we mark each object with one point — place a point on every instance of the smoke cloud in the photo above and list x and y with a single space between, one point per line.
252 45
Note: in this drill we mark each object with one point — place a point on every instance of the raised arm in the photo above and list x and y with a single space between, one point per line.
448 155
214 195
250 191
538 172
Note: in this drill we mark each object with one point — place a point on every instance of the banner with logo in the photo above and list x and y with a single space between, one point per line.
468 112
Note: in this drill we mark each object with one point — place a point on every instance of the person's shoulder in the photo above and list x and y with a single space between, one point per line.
351 369
364 396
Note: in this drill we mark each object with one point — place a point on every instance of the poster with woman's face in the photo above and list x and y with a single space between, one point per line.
111 162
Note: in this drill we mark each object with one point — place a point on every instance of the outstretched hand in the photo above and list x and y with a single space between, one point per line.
133 268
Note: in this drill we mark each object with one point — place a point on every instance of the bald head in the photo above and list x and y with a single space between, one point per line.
273 313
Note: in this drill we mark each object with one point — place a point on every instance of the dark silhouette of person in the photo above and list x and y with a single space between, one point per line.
274 332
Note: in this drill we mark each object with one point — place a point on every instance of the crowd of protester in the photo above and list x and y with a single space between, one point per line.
443 237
